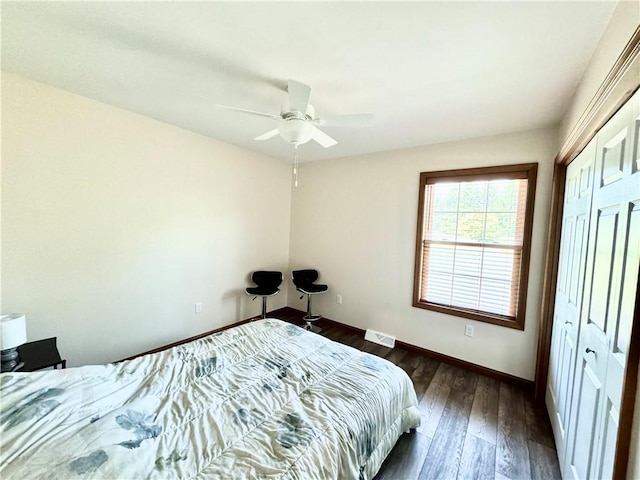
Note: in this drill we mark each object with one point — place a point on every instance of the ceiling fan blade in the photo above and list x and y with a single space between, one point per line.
268 135
322 138
250 112
356 120
299 94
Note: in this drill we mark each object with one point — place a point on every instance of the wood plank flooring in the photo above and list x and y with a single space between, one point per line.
473 427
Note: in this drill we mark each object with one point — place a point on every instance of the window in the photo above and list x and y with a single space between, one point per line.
473 242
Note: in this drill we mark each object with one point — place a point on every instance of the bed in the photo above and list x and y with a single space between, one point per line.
266 399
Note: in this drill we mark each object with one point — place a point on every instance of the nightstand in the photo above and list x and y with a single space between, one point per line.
40 354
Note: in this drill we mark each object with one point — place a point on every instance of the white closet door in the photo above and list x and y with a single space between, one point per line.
571 270
606 311
625 272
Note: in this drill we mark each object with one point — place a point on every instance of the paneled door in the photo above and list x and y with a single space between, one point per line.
571 271
609 298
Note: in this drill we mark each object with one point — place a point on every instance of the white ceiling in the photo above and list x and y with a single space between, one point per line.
430 72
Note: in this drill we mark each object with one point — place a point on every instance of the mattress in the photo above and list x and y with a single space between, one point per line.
263 400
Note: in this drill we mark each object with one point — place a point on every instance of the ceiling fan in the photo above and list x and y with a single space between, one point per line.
297 123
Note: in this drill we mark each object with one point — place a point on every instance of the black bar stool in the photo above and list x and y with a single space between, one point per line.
267 284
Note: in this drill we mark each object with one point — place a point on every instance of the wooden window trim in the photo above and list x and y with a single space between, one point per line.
526 171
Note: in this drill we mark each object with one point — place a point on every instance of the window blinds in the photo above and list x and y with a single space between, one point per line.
472 244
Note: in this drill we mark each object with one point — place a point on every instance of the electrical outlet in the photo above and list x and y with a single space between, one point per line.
198 307
468 330
339 299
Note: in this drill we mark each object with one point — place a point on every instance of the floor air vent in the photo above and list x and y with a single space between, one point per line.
380 338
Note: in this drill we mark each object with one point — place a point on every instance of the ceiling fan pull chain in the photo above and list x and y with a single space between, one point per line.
295 165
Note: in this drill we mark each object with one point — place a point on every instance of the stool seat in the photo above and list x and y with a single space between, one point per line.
312 288
262 291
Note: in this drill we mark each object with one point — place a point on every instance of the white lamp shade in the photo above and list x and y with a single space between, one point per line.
13 331
295 130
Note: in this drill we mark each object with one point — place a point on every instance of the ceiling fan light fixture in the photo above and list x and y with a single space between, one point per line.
295 130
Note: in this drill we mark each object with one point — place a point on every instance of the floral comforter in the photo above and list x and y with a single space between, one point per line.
263 400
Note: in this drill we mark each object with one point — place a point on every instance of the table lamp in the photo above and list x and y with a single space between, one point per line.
13 333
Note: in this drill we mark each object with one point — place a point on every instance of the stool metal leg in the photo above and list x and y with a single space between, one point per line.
264 307
309 317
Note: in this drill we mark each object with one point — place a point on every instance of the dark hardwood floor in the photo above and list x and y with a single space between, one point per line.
473 426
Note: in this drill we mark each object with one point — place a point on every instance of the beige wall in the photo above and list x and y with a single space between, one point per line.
623 23
114 225
354 219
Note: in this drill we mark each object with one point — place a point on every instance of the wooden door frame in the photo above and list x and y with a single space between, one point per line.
619 85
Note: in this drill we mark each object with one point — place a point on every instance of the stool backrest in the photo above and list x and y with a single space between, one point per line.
304 277
268 279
